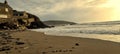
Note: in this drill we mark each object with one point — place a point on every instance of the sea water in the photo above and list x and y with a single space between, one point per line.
103 32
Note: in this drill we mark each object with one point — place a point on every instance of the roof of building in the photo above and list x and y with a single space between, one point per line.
18 12
4 5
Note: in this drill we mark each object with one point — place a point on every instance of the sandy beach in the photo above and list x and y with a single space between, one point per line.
39 43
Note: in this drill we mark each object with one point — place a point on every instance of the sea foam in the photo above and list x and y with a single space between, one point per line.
103 32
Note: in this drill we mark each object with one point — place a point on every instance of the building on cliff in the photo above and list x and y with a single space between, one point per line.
12 17
5 10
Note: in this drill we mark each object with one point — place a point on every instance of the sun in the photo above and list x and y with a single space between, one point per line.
115 4
116 12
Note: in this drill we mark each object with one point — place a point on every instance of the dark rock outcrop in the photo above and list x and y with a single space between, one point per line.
37 23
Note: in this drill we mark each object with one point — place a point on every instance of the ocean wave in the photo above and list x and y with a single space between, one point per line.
103 32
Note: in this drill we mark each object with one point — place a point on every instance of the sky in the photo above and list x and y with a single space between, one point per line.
78 11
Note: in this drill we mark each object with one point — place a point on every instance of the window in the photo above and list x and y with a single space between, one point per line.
6 9
3 16
21 14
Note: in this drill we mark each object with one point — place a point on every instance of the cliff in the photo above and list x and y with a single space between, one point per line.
37 23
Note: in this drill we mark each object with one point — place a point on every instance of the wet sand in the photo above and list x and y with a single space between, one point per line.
39 43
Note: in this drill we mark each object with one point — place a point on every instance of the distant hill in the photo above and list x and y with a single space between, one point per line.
58 23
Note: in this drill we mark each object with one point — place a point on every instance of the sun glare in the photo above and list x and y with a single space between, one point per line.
115 4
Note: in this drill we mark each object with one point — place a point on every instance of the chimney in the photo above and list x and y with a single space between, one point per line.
5 2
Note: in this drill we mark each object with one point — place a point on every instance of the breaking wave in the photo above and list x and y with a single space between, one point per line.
103 32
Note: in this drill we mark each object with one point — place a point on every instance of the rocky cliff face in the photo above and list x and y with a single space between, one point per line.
23 23
13 19
37 23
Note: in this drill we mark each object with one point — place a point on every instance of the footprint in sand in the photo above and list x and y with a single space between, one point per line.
44 52
53 51
76 44
73 47
64 50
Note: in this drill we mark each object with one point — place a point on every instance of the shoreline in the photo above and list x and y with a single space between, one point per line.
39 43
92 36
82 38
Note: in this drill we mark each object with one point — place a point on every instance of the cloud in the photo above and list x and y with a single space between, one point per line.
81 15
70 10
